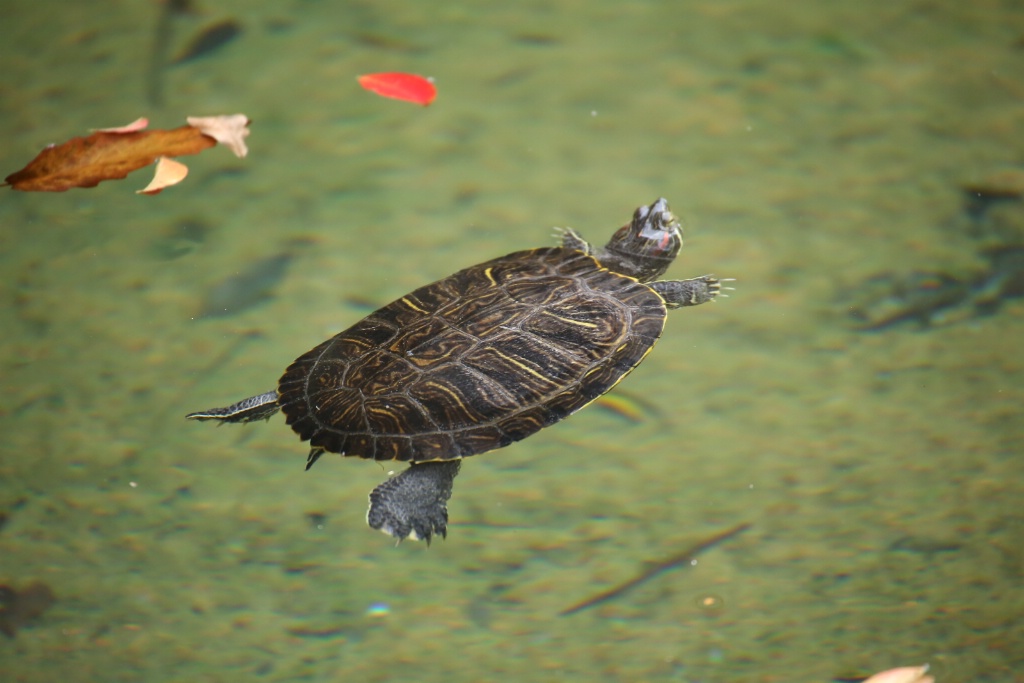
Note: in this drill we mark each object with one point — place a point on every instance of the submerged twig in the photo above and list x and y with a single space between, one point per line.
162 35
664 565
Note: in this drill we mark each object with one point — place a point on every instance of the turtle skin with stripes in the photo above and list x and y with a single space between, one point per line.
479 360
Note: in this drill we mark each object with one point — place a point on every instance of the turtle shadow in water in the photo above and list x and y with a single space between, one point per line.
253 285
245 289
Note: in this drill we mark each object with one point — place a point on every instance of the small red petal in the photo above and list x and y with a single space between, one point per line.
408 87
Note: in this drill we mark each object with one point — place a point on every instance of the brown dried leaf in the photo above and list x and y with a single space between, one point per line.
111 153
87 161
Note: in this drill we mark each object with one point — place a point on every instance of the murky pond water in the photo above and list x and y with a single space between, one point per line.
813 150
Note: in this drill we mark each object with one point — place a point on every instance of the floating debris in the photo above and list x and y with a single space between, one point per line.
1001 186
925 546
889 299
184 237
1005 278
162 35
628 407
994 206
378 609
18 608
317 520
209 40
677 560
906 674
315 632
929 298
1002 225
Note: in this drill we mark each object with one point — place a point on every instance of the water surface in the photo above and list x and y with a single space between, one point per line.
808 147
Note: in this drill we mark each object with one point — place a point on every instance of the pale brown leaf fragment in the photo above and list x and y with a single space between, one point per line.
229 130
907 674
138 124
168 172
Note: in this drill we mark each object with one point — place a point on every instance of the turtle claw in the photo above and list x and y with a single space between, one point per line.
721 293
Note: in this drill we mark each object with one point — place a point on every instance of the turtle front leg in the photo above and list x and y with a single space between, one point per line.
572 240
414 504
260 407
692 292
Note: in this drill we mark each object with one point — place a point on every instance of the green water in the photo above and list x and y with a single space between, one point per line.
806 145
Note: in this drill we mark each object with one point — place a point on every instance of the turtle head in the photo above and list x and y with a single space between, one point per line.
645 247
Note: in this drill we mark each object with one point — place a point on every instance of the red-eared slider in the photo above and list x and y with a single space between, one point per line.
479 360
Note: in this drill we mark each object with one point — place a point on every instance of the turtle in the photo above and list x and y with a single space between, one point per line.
479 360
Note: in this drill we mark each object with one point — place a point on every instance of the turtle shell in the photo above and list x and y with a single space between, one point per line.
473 362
